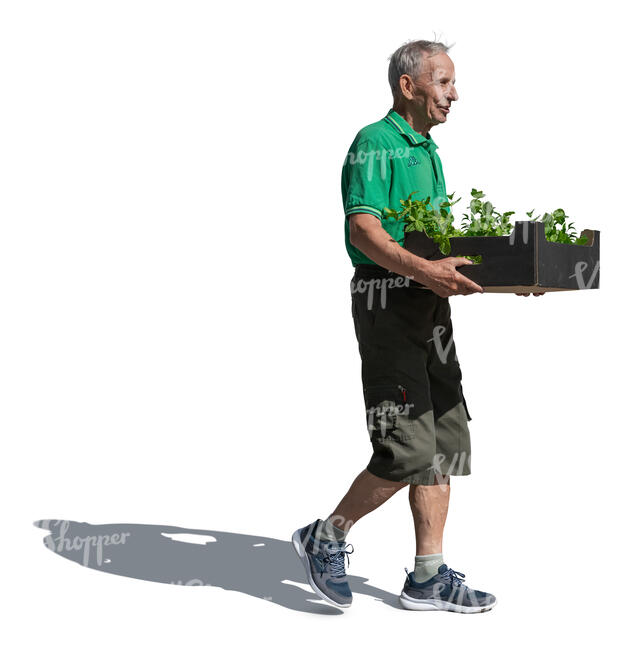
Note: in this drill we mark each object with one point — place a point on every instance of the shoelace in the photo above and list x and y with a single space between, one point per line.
333 559
455 577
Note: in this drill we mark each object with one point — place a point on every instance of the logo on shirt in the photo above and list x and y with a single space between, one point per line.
412 161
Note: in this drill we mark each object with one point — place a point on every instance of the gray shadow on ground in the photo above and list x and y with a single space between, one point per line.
256 566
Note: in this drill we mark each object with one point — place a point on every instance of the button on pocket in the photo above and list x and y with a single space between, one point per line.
388 413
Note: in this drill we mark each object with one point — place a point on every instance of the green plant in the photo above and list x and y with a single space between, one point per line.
484 220
422 216
557 229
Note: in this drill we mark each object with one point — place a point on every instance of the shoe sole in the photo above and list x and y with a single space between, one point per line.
418 604
301 553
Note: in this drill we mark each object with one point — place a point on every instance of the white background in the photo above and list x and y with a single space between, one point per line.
177 344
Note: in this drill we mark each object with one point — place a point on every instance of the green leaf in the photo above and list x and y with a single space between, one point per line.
390 214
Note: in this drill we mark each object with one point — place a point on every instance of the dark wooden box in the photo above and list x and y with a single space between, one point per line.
524 261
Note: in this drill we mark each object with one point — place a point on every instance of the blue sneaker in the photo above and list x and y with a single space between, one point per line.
444 591
323 562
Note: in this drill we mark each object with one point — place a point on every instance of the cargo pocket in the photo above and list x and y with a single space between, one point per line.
388 413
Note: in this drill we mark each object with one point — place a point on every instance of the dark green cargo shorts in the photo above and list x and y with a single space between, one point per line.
416 413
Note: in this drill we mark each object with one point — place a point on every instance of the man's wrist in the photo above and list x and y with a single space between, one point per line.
419 269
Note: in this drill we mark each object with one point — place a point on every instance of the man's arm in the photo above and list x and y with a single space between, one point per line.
441 276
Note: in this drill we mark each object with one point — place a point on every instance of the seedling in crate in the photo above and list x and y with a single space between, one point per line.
483 220
423 216
557 229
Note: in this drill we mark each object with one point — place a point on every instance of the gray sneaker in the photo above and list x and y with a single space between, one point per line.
323 562
444 591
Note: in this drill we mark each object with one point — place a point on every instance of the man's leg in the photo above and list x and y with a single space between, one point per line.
321 545
429 505
366 494
433 585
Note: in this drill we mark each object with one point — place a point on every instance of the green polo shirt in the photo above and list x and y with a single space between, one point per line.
386 162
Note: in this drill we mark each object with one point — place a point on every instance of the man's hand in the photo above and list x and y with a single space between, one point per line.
442 277
527 294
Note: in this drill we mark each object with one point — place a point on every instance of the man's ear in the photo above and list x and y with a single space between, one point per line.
406 86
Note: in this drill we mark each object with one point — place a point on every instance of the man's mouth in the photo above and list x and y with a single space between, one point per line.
445 109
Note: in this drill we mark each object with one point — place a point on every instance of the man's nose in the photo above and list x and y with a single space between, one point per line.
453 95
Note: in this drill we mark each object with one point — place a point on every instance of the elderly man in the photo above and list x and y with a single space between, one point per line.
416 412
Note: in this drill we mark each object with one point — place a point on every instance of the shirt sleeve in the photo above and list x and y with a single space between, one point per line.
367 172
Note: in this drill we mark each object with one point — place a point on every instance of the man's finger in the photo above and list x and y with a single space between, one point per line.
470 287
463 281
460 261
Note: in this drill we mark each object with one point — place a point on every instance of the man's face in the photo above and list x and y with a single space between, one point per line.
433 91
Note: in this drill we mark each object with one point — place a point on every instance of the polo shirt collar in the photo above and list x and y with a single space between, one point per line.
412 136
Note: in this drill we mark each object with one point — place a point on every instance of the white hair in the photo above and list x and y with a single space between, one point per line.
408 59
